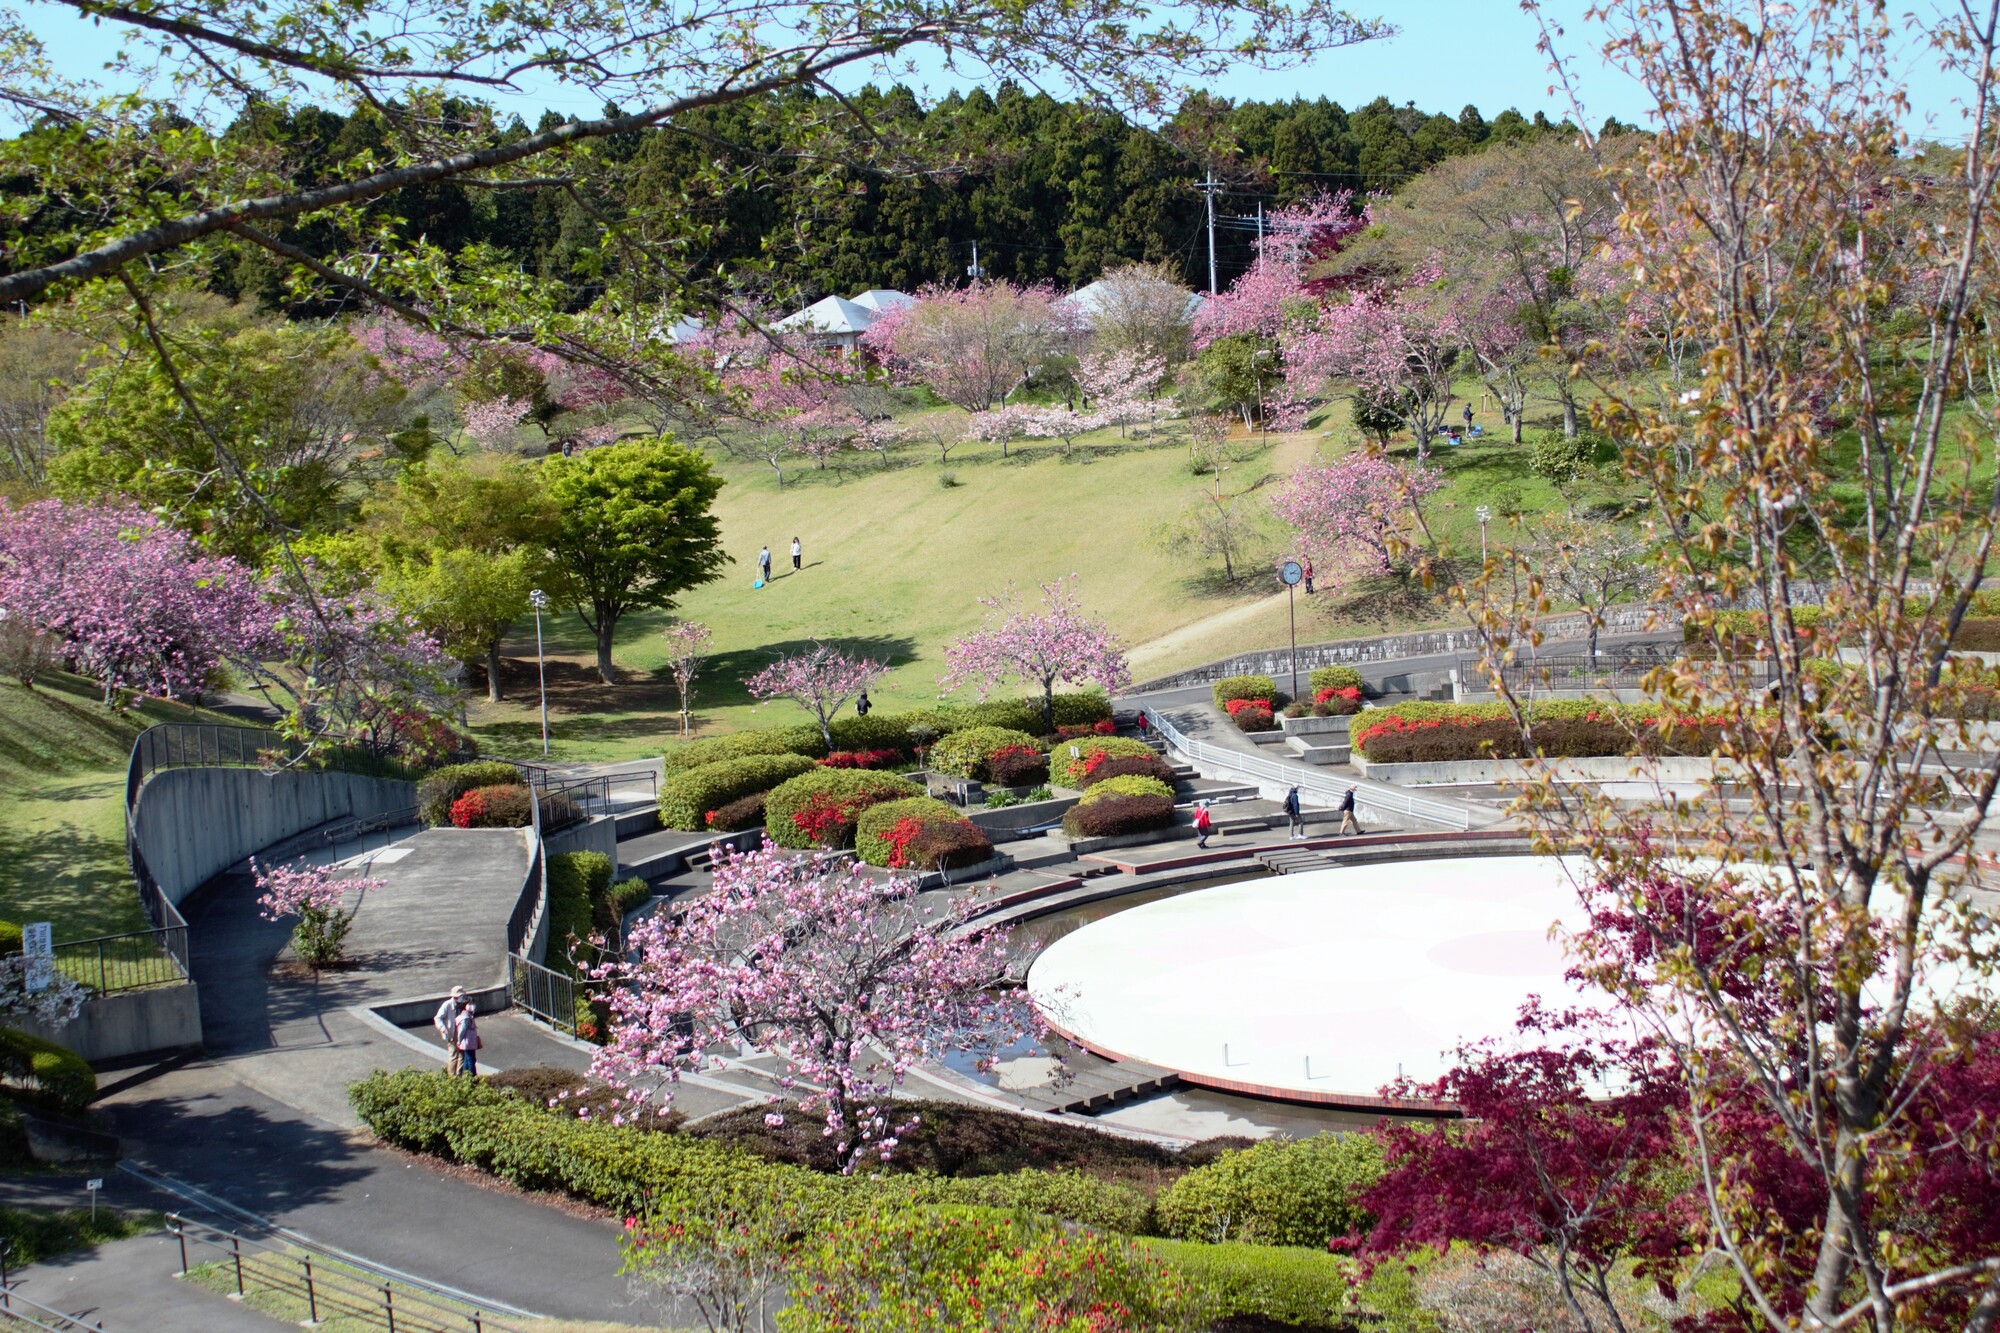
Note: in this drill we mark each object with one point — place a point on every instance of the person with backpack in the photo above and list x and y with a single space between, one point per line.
861 705
1202 823
1294 814
1347 818
445 1020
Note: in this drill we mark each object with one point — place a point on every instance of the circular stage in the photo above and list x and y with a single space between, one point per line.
1323 985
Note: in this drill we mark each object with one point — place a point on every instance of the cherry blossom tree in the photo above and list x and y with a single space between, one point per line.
315 895
1275 293
973 345
851 982
1351 514
1397 343
820 681
128 601
687 652
1118 387
1058 643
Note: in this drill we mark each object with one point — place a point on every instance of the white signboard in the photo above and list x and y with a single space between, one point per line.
38 942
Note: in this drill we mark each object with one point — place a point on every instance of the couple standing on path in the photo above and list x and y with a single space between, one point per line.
457 1024
1297 818
764 560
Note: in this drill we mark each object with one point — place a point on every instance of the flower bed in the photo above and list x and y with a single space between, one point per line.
820 808
863 759
1117 816
888 835
1561 728
1128 766
686 798
1251 714
1334 678
965 754
1071 763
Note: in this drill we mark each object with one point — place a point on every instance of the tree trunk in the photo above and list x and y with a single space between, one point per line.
1518 425
1569 414
1049 705
607 625
493 673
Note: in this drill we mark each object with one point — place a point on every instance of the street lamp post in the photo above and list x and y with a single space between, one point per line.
540 601
1292 573
1485 516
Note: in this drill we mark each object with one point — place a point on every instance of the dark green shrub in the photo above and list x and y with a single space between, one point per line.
1117 816
1134 784
1244 687
413 1109
1280 1192
1307 1288
1072 710
1560 458
951 846
686 798
818 809
627 894
1334 678
61 1076
1071 763
10 938
689 755
877 820
1016 767
964 753
436 792
577 881
735 816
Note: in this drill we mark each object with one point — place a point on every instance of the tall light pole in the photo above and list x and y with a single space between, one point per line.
540 601
1485 516
1291 574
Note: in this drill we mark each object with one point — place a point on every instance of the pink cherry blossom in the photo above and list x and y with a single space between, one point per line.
1057 644
1348 513
1397 343
848 980
820 681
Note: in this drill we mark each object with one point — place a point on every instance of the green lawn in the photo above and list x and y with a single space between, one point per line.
62 805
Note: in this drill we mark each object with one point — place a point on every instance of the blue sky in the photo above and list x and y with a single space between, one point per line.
1449 53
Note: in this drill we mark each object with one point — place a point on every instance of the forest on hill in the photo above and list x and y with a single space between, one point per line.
1051 190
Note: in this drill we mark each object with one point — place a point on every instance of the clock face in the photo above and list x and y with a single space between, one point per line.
1291 572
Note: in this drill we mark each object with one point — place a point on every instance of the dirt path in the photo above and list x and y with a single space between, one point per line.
1179 640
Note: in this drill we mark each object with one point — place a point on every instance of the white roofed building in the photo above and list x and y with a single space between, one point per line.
837 321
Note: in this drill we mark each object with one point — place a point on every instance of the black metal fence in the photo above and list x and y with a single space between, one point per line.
112 963
543 992
198 745
1622 668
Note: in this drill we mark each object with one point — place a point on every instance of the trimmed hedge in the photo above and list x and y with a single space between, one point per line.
1147 765
948 846
964 754
1559 728
502 806
1116 816
577 880
635 1171
1244 687
686 798
1017 767
877 820
1334 678
1130 785
883 731
60 1075
738 815
443 786
1068 769
1280 1192
1307 1288
839 795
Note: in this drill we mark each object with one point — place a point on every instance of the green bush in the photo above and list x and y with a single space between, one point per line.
877 820
1130 785
60 1075
1116 816
1245 687
963 754
687 797
627 894
1281 1192
577 880
690 755
10 938
1334 678
1071 710
1559 458
436 792
1279 1283
1071 763
828 801
634 1171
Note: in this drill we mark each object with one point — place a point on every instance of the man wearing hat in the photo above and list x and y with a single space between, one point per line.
446 1023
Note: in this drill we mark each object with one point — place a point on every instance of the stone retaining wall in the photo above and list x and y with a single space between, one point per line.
128 1023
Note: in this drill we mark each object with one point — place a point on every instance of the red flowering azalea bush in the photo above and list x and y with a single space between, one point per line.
1560 729
734 816
1107 767
893 834
819 807
1251 714
1071 763
1104 726
1337 701
1017 766
863 759
504 806
1116 816
1235 689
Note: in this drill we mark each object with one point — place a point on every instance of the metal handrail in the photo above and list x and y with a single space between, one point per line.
16 1308
542 992
1378 798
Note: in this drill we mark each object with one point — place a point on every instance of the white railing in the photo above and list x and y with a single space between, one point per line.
1371 797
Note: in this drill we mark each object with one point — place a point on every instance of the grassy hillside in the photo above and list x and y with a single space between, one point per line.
896 561
62 805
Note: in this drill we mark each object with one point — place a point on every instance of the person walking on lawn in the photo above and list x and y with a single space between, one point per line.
1294 814
446 1023
466 1039
764 564
798 554
1347 818
1202 823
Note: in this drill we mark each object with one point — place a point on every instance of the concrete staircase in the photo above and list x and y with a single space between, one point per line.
1293 860
1097 1089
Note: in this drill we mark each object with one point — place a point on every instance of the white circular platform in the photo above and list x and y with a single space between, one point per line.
1328 982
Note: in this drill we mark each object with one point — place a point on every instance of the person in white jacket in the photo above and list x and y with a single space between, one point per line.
446 1023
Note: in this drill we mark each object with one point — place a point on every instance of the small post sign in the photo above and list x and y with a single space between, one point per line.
94 1184
38 943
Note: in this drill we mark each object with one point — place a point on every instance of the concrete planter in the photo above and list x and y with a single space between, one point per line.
997 864
1316 726
1009 819
1085 846
1612 769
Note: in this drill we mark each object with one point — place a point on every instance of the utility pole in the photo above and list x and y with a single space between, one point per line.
973 270
1208 188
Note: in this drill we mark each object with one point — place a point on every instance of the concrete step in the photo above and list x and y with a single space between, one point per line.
1293 860
1099 1088
1311 753
1034 853
636 822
